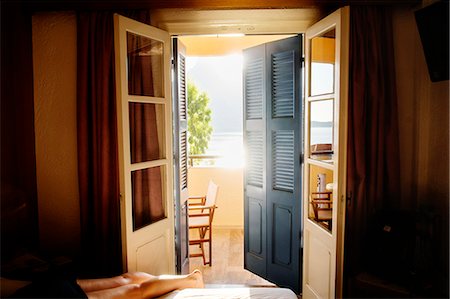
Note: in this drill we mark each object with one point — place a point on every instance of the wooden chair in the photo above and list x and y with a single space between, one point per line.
201 214
323 207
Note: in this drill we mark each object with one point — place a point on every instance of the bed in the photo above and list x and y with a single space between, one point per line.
209 292
224 291
232 292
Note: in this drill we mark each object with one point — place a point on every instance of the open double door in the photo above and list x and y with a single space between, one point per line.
294 136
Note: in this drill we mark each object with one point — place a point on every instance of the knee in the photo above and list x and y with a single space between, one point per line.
133 291
137 277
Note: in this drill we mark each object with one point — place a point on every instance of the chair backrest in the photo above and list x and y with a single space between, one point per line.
211 194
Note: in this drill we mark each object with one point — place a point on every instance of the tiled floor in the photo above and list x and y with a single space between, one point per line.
228 260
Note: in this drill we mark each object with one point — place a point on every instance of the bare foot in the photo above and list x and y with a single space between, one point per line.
197 278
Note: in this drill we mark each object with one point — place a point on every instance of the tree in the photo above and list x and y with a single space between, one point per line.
199 120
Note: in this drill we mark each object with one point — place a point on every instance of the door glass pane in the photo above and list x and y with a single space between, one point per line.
322 63
148 194
320 196
321 130
146 132
145 66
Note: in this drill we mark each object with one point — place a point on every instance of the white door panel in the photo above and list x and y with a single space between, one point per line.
326 73
144 122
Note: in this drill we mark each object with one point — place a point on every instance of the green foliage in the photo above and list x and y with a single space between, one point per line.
199 120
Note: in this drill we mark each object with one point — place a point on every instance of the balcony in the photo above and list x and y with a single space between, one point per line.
230 198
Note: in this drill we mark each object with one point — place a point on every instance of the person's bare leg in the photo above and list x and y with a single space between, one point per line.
91 285
165 284
154 287
129 291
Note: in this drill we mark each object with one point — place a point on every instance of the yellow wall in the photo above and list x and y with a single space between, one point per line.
54 64
314 171
218 45
323 50
230 198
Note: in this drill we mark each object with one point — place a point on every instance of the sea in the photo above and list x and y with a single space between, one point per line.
230 146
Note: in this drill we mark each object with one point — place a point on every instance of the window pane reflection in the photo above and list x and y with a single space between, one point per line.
145 66
322 64
321 196
146 132
321 130
148 194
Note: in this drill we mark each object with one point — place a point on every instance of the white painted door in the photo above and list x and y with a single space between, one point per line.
144 119
326 84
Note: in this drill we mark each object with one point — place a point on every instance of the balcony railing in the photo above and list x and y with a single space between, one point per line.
203 160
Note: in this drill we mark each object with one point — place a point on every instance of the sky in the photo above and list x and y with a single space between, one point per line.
221 78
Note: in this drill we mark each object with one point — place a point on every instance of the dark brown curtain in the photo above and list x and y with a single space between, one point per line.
18 190
97 143
373 150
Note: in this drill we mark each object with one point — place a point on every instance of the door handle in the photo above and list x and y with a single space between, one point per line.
349 198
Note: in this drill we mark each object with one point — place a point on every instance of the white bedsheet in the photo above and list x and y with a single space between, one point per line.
233 293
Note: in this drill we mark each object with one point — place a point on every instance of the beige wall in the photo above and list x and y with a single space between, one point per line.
230 200
424 129
423 118
54 64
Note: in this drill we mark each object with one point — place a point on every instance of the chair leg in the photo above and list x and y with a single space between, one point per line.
202 233
210 246
203 253
200 236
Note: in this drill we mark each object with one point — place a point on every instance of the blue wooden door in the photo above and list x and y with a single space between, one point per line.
273 140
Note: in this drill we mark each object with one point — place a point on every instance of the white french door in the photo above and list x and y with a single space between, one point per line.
144 115
326 84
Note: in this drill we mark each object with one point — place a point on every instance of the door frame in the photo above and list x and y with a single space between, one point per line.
232 21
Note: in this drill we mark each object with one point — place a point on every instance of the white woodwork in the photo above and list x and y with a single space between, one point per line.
323 249
235 21
151 248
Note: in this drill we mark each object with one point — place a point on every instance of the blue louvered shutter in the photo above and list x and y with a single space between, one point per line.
284 142
272 138
255 246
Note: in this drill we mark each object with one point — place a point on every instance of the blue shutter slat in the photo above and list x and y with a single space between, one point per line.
283 84
254 87
283 160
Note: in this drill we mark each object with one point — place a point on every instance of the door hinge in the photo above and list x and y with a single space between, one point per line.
302 158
